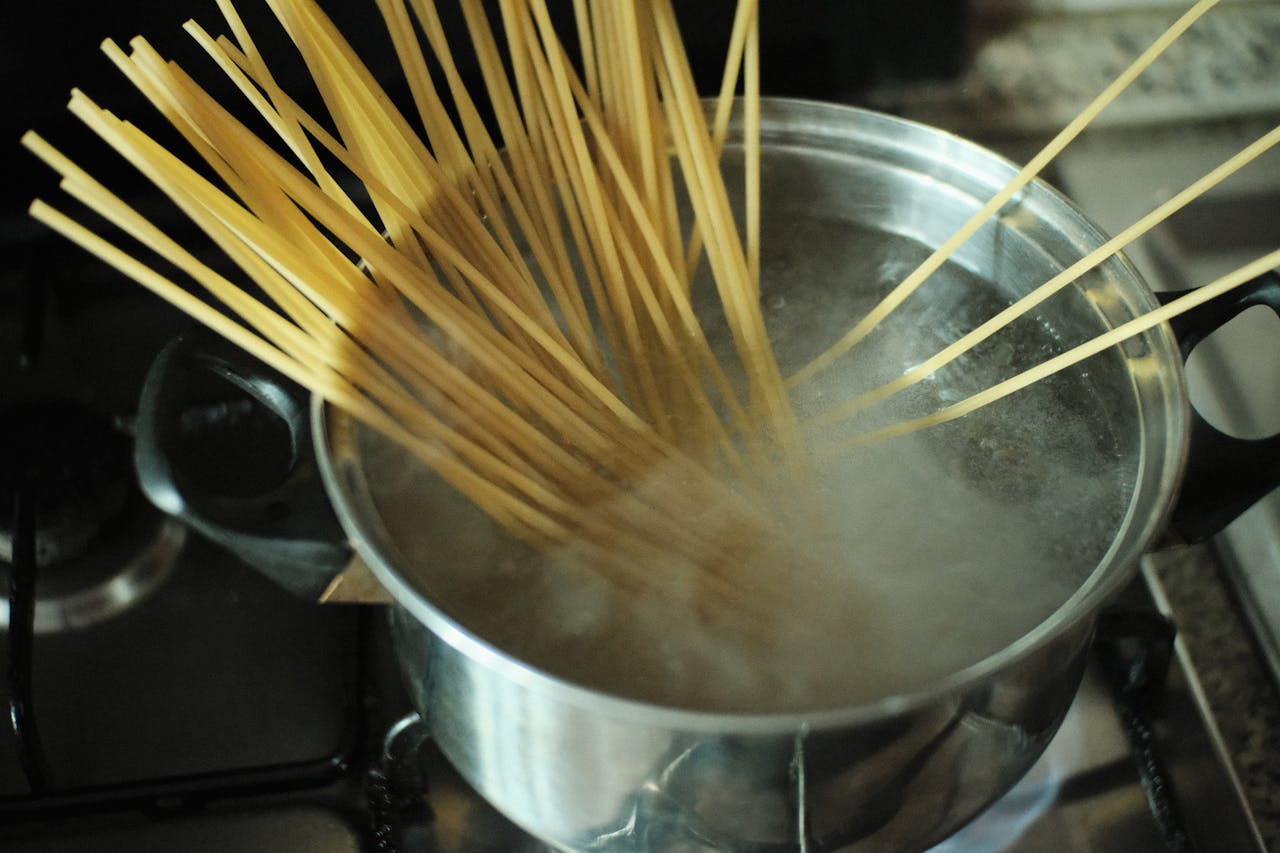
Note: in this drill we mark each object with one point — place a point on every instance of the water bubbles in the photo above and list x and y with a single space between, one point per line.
1000 354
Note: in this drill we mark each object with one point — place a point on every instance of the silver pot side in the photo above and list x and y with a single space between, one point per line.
587 777
588 771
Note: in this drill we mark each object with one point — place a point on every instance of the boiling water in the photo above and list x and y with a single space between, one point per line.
921 555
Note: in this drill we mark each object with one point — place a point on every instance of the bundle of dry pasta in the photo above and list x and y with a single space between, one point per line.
514 310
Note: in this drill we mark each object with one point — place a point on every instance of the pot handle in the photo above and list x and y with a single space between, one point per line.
1225 475
224 443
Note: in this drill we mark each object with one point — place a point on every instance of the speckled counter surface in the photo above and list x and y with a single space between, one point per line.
1241 693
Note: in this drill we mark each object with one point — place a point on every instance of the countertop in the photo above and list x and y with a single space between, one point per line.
1237 684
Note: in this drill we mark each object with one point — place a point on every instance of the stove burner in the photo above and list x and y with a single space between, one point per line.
73 465
102 584
99 546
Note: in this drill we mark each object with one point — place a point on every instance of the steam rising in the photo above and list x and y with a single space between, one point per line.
900 564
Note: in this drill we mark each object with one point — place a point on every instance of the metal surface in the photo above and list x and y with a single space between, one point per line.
285 828
591 771
1082 796
216 671
122 575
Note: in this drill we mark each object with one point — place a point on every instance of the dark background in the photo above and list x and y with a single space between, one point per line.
829 49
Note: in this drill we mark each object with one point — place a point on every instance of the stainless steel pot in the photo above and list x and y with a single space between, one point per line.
588 770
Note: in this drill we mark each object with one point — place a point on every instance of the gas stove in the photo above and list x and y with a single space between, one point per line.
198 707
168 698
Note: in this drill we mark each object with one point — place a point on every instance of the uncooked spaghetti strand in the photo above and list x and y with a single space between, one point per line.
406 410
320 42
89 191
378 191
481 342
744 19
651 142
687 402
83 187
161 167
1058 282
497 501
751 150
368 126
163 85
210 120
532 206
536 180
770 406
629 125
374 249
666 273
587 47
1028 173
443 134
726 267
556 199
295 137
367 249
108 127
703 177
114 131
603 36
170 292
583 183
1072 356
379 135
285 126
356 101
285 123
712 207
667 213
144 78
255 313
544 67
545 87
446 144
280 111
571 139
370 250
525 169
689 385
638 80
257 193
303 345
543 141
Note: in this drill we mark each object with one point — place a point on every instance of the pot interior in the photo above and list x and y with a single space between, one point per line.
935 556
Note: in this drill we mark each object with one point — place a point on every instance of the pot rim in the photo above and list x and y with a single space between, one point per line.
344 484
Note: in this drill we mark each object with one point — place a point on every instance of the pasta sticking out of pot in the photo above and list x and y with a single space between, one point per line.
518 310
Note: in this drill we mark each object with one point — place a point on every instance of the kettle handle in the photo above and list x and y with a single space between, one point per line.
1225 475
201 386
